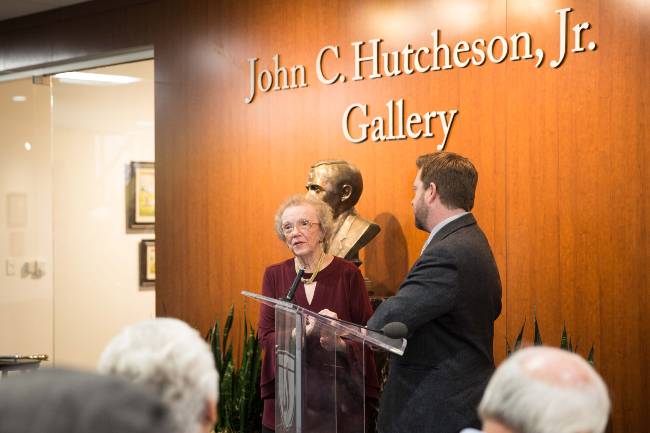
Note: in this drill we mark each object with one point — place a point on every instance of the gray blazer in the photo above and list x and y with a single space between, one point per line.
449 302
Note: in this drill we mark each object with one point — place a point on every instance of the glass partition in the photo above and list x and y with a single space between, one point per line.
70 262
26 254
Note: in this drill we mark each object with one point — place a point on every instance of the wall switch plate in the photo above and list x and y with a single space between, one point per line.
10 267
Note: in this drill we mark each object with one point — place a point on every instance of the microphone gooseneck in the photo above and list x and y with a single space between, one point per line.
294 286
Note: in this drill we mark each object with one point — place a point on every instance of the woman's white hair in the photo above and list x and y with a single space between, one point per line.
170 356
546 390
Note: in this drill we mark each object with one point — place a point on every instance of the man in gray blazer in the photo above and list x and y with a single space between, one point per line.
449 302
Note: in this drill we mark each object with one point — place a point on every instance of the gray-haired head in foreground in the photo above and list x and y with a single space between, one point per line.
67 401
546 390
170 356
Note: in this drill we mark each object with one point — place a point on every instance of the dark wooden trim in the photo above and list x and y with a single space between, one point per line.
66 13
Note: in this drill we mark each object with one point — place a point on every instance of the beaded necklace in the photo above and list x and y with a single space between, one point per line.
313 276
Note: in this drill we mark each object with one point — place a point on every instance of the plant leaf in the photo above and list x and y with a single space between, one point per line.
563 342
214 346
520 336
590 357
538 335
227 327
225 399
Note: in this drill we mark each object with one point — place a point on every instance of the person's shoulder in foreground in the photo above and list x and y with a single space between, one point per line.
68 401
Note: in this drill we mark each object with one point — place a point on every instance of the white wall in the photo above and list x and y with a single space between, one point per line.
95 132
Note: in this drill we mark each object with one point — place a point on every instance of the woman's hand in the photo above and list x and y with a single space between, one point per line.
327 341
328 313
309 325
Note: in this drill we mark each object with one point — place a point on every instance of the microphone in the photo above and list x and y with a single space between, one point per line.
294 286
394 330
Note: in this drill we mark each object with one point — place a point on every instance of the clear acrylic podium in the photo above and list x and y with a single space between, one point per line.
321 369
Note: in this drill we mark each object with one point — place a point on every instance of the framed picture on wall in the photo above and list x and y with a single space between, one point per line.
147 262
141 196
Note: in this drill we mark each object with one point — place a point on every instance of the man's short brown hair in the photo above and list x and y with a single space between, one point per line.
455 178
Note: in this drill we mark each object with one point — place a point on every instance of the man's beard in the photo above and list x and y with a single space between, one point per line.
421 214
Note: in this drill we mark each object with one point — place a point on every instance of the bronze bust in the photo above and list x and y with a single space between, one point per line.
339 184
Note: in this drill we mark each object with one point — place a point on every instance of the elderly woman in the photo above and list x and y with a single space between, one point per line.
330 286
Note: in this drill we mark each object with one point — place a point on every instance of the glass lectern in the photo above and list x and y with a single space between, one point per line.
321 369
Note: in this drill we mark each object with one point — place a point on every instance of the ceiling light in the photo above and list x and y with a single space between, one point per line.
96 79
19 98
145 123
28 146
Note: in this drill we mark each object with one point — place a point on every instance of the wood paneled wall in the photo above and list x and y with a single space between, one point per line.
562 153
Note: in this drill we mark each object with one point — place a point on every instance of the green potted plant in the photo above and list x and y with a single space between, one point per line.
565 341
240 404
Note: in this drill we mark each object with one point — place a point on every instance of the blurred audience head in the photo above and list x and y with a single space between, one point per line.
66 401
170 356
545 390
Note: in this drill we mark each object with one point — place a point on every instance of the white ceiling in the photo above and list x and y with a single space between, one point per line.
16 8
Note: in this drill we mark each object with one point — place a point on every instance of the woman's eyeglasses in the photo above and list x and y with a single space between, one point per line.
302 225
